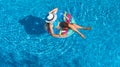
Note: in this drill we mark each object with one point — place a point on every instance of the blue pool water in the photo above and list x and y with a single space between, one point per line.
25 43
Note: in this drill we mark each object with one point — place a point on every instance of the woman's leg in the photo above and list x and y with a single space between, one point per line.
80 27
75 29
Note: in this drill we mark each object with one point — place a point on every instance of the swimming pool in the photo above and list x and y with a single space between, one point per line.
24 43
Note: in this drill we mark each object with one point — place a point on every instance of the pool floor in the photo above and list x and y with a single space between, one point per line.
24 42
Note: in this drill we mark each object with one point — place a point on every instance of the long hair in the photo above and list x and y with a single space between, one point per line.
64 24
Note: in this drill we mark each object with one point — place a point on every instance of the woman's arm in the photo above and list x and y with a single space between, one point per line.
54 11
55 35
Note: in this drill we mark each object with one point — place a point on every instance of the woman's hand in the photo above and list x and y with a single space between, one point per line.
63 36
53 11
58 27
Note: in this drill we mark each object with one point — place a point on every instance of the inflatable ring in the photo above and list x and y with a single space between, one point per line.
63 17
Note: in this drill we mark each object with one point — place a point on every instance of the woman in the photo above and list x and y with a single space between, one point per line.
62 25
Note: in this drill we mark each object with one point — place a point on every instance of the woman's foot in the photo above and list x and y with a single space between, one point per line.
87 28
82 36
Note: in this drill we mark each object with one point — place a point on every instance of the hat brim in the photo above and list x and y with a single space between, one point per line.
51 21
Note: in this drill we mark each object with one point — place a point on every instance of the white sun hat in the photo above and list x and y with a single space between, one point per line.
51 18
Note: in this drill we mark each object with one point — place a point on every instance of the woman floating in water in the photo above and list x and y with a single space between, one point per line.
52 16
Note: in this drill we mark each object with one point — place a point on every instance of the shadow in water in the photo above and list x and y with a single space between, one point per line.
33 25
